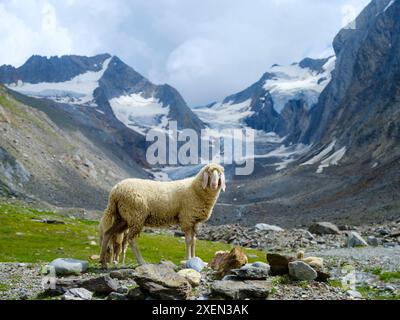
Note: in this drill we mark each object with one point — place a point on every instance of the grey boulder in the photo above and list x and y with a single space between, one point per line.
248 289
324 228
67 266
254 271
300 270
355 240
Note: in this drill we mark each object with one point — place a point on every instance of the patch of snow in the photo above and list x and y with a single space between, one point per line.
286 155
78 90
332 160
291 82
140 114
389 5
225 115
320 155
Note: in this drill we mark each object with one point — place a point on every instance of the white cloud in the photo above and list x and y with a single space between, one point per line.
206 49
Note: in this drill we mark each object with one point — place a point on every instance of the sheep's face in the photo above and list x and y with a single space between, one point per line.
213 177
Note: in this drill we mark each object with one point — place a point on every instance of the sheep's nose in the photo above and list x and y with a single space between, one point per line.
214 186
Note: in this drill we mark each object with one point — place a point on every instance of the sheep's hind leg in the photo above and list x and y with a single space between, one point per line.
136 251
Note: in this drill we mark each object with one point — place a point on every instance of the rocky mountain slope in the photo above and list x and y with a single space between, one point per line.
46 154
346 165
102 101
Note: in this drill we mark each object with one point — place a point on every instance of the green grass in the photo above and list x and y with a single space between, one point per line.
24 240
4 287
375 294
390 276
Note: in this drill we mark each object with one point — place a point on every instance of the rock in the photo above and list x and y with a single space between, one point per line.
123 290
65 266
382 231
219 256
116 296
354 294
267 227
95 257
191 275
196 263
169 264
80 293
179 234
300 270
162 282
236 258
101 285
322 275
324 228
279 263
254 271
135 294
372 241
390 288
249 289
122 274
355 240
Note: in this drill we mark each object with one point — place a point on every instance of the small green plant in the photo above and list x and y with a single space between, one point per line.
389 276
284 279
336 283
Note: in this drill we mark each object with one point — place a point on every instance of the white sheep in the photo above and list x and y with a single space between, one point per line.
135 203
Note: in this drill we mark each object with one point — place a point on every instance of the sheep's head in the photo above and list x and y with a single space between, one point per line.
213 177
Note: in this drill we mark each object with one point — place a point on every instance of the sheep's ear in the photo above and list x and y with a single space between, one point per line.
223 185
205 180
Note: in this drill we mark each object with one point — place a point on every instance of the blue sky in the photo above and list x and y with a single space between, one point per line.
207 49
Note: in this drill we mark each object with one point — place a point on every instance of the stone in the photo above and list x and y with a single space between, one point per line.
80 293
354 294
179 234
116 296
236 258
135 294
279 263
66 266
355 240
373 241
238 290
196 263
95 257
122 274
169 264
300 270
162 282
267 227
219 256
390 288
324 228
101 285
123 290
322 275
191 275
254 271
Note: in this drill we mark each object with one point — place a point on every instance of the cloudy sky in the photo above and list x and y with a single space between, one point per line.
207 49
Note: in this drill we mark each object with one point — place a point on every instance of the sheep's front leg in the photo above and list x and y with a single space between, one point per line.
193 244
136 251
189 242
